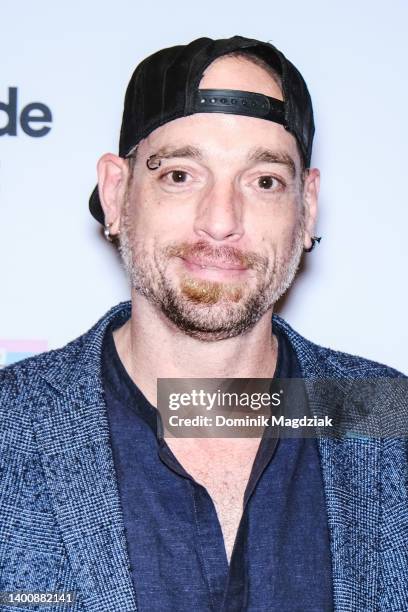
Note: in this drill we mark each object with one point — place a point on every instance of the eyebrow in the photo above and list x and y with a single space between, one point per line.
186 151
273 157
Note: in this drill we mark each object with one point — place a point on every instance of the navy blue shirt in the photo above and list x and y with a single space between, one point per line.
281 557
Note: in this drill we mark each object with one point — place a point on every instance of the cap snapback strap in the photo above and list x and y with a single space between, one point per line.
239 103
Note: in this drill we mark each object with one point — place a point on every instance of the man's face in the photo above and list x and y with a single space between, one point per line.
213 235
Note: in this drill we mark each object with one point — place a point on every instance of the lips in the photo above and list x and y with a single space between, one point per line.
208 264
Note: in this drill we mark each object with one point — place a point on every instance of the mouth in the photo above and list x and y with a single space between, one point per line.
213 265
213 270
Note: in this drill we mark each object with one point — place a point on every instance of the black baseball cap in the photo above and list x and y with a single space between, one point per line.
165 86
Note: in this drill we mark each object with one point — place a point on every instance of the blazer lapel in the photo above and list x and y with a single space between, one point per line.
351 470
72 431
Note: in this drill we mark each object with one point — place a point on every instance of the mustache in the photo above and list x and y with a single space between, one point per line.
201 250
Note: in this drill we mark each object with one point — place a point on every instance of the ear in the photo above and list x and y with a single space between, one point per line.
310 199
113 174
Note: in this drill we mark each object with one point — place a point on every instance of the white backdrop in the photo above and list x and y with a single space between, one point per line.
58 276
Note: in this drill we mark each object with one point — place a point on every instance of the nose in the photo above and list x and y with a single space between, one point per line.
219 213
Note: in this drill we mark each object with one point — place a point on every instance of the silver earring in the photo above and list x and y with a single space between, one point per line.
107 233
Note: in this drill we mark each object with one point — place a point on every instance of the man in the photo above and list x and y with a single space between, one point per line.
212 200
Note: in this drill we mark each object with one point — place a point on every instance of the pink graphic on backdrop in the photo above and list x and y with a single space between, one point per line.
15 350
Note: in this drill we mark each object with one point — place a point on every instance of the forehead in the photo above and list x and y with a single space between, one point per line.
220 138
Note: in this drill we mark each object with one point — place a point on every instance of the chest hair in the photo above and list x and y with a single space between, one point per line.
224 474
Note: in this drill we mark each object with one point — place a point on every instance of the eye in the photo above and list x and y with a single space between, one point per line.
178 176
178 180
267 182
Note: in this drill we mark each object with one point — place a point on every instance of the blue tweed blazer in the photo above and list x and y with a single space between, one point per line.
61 525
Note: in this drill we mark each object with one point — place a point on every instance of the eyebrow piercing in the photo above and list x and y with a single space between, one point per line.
153 162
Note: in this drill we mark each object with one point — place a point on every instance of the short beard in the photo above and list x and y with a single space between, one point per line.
203 309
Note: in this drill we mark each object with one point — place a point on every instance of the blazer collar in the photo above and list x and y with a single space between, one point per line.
72 432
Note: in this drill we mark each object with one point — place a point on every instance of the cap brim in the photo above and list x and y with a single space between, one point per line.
95 206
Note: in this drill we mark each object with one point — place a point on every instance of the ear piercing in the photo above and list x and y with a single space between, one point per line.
314 239
109 237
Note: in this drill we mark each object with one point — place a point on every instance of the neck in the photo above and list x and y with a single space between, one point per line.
151 347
